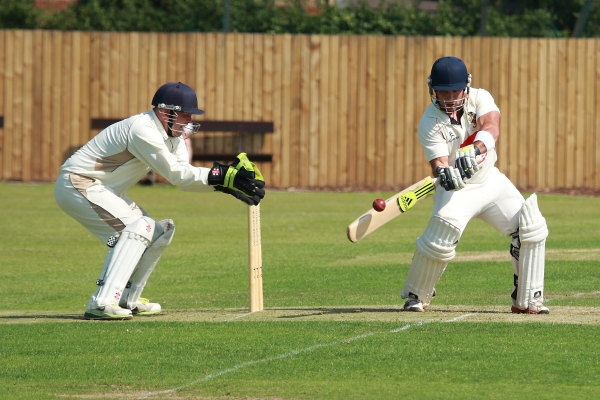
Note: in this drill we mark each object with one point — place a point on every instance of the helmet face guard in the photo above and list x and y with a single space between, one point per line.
450 105
175 124
173 100
449 74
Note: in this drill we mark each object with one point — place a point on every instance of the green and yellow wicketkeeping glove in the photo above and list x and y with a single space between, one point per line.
242 179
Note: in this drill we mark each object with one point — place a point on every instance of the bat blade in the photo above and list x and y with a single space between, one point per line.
395 206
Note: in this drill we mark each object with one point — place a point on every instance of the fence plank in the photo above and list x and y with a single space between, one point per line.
565 130
19 154
307 115
288 107
540 141
363 134
8 76
334 147
342 161
352 117
551 113
594 132
34 92
499 67
579 146
46 105
323 135
263 67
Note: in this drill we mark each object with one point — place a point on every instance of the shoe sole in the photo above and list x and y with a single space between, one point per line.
516 310
136 311
145 313
413 309
90 316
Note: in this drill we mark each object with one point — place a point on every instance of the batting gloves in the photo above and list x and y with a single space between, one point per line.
242 180
450 178
466 161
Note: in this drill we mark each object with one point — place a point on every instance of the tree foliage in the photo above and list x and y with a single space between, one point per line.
18 14
507 18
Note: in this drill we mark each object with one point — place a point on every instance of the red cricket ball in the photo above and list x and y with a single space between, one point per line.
379 205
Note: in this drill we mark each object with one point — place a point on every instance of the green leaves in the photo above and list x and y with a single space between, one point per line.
551 18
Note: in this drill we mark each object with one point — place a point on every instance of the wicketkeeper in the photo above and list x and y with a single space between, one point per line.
91 188
458 133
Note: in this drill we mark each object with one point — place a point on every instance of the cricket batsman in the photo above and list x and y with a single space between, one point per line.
91 188
458 133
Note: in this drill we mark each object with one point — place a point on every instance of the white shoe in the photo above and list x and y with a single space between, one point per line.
413 304
144 307
107 312
536 306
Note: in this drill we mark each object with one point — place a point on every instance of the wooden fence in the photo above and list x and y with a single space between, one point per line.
345 108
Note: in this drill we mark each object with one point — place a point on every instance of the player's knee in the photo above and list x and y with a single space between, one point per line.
141 229
163 234
439 240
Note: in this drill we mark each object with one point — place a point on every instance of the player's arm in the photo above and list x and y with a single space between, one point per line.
438 162
489 129
484 140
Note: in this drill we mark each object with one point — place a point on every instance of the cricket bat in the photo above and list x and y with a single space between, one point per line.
395 206
255 286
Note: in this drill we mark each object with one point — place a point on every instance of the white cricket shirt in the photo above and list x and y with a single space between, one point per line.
440 137
120 155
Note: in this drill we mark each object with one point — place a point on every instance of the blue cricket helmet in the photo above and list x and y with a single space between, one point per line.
449 73
176 96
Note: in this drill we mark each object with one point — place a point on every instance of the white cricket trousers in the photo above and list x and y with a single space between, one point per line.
496 201
94 206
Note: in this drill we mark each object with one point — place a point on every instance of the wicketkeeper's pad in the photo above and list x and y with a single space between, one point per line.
122 259
147 263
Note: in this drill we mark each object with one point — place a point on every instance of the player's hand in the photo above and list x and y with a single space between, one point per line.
466 161
450 178
250 200
242 179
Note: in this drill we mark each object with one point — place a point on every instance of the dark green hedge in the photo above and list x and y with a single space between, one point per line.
550 18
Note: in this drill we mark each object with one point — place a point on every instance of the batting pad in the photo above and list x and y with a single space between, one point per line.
165 230
532 233
435 249
121 261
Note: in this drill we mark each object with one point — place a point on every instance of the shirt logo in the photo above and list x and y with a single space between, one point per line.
447 134
472 118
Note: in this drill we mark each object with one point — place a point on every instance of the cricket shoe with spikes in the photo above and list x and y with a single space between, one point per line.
413 304
536 306
144 307
107 312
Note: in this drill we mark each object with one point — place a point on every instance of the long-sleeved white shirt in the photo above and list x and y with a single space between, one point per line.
120 155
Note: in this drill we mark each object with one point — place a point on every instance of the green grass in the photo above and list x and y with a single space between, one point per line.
331 328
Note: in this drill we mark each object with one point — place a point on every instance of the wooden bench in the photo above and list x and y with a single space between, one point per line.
239 128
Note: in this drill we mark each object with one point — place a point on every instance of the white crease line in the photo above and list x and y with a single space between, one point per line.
408 326
460 317
292 354
239 316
